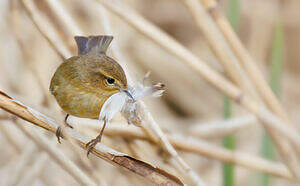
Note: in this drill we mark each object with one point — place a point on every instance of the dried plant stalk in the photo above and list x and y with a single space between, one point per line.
9 137
218 129
285 149
193 145
145 119
221 49
35 170
58 156
245 58
138 167
24 159
172 46
56 44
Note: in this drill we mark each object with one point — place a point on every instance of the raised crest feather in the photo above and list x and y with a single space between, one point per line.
97 44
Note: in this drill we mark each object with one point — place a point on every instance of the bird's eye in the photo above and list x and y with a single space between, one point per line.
110 81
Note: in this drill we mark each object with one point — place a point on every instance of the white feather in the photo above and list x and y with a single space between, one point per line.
122 102
112 106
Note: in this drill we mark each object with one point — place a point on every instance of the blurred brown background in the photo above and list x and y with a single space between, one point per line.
27 64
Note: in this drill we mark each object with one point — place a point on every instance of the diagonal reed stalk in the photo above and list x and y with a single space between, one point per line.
246 59
116 158
285 148
190 144
146 120
203 70
212 77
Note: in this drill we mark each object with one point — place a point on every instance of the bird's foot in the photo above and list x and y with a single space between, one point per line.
91 144
58 134
59 129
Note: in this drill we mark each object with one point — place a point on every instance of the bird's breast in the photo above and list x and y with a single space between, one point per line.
76 100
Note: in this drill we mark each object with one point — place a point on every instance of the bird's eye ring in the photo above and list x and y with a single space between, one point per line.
110 81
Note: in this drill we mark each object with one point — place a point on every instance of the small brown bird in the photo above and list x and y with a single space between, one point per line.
81 84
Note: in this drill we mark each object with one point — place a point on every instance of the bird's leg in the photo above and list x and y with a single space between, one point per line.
91 144
58 130
66 123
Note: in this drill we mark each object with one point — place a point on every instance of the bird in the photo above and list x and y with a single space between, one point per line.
82 83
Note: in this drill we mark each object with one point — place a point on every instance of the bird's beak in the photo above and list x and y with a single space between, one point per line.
129 94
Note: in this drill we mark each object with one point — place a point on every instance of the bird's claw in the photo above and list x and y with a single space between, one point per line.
90 145
58 134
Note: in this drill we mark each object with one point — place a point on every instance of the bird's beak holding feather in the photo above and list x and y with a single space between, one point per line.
129 94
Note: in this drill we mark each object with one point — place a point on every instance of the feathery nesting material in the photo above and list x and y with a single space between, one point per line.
129 107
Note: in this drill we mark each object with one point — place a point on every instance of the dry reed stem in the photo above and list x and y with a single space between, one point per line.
4 116
56 44
222 128
9 137
138 167
151 126
220 48
57 155
286 151
69 25
35 170
21 168
193 145
245 58
221 83
248 62
148 124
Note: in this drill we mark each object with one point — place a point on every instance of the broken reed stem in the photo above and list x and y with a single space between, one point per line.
138 167
191 144
148 124
213 77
